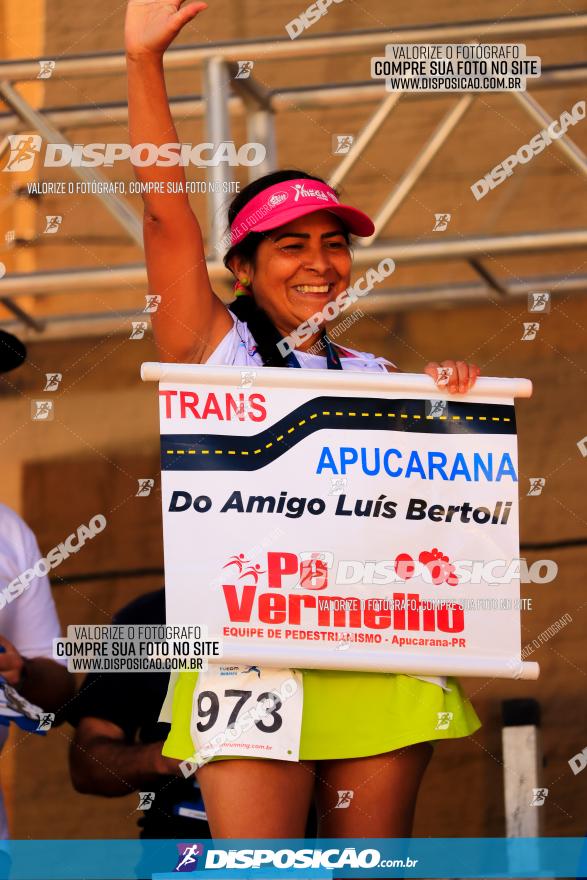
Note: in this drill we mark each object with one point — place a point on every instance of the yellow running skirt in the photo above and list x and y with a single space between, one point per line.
351 714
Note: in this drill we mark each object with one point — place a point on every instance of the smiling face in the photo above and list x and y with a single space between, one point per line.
298 268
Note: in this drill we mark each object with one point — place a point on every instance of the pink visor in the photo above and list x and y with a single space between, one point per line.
284 202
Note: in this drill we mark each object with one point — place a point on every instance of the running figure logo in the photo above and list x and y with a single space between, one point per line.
342 143
537 484
443 375
138 329
245 68
530 331
253 669
344 800
539 795
145 486
337 485
42 410
444 719
23 151
441 222
47 68
436 408
539 302
188 856
152 302
146 799
52 223
46 720
52 381
240 562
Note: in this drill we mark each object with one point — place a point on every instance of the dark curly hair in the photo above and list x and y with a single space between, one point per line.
244 307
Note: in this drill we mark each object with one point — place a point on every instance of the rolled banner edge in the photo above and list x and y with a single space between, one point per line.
416 383
311 657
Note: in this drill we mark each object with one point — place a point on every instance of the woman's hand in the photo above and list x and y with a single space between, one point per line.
151 25
459 377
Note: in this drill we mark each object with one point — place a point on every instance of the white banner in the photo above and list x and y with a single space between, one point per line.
318 519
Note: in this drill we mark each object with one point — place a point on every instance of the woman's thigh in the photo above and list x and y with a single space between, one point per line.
256 797
383 791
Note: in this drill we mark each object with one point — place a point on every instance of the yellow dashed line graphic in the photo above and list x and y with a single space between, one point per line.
328 413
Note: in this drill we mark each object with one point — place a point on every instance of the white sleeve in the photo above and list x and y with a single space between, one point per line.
30 620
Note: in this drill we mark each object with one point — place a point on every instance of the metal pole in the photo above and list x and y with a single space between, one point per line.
217 90
365 137
522 767
420 163
379 301
116 206
361 42
72 280
563 142
260 120
193 106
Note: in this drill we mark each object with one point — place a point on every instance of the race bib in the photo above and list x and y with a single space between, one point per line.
247 710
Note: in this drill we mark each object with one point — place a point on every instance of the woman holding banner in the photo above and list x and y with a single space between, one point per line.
289 249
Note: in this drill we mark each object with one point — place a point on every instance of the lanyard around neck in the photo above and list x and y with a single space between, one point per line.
332 358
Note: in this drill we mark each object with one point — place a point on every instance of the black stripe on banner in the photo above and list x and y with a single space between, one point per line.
213 452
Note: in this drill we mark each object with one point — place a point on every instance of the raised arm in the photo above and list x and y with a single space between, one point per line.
190 320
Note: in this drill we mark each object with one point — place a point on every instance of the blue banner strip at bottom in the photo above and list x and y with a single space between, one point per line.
281 859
